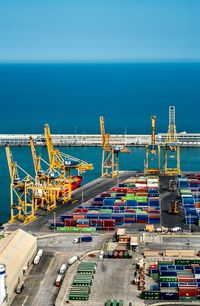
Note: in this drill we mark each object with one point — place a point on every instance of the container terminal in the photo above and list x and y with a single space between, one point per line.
128 238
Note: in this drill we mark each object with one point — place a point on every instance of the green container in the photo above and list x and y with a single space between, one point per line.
81 276
150 295
75 229
165 262
108 303
186 261
81 284
187 298
83 297
154 275
105 210
126 255
167 278
77 290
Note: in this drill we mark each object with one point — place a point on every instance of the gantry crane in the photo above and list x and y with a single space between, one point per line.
171 146
63 163
152 152
45 191
110 154
21 204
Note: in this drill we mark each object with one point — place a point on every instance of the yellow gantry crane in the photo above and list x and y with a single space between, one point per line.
152 152
171 146
61 161
46 190
21 205
110 154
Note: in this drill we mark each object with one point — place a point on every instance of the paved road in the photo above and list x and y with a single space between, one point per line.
89 191
168 220
33 282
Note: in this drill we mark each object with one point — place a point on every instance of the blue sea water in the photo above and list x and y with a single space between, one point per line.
72 97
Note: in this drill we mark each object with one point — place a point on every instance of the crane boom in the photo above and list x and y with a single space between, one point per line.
36 159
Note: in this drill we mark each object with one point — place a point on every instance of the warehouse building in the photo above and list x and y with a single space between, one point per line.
17 251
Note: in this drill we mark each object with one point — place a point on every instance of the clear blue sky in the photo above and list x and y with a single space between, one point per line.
99 30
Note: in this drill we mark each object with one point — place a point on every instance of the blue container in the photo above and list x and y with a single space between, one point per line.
131 202
141 217
154 221
109 201
63 217
155 287
169 284
168 273
169 296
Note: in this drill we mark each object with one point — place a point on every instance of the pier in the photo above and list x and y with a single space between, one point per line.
92 140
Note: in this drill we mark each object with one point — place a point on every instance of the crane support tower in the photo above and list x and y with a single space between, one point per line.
152 152
110 154
21 205
49 187
171 146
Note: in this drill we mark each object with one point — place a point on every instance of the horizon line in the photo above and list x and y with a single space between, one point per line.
139 61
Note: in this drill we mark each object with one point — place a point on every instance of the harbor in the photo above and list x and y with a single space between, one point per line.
100 153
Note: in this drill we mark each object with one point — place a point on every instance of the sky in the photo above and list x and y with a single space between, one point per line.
105 30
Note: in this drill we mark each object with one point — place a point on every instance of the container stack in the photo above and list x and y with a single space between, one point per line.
133 202
179 280
189 188
80 288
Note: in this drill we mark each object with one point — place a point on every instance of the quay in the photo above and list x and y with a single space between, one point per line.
92 140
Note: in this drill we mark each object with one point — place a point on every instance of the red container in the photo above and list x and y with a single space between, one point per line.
120 254
108 228
187 291
115 254
70 222
105 195
80 210
96 221
185 279
141 221
82 225
130 210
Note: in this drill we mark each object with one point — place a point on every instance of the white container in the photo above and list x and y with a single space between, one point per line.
40 253
2 284
72 260
63 268
36 260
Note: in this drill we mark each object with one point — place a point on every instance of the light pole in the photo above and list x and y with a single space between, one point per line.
54 220
82 195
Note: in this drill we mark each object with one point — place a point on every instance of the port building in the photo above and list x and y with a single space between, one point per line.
17 251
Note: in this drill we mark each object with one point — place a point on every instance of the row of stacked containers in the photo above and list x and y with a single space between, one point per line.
176 280
134 201
80 287
189 189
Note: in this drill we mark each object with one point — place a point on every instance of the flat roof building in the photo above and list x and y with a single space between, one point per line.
17 251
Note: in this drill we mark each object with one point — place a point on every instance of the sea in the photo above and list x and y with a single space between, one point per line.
72 97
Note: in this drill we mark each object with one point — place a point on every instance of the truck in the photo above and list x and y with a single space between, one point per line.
36 259
63 268
173 208
19 288
83 239
58 280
